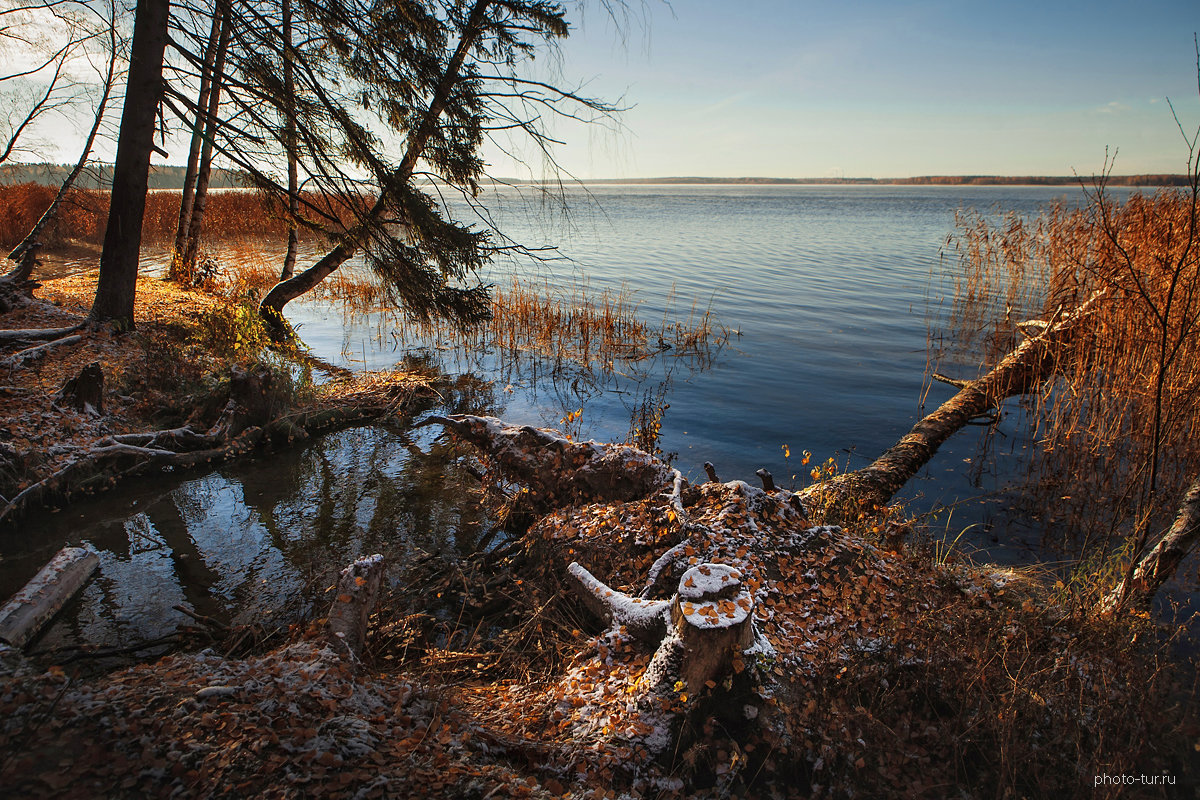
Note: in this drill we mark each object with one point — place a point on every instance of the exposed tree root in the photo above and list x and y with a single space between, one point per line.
30 355
558 471
247 421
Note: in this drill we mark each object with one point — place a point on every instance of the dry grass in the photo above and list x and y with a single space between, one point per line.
243 213
1097 457
575 326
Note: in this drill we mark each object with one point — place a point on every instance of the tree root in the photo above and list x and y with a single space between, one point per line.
558 471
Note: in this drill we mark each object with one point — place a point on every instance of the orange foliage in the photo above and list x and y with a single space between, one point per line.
84 214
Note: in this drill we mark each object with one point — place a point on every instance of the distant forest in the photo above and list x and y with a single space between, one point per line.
98 175
923 180
166 177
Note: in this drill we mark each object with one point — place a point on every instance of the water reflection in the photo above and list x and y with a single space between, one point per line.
253 540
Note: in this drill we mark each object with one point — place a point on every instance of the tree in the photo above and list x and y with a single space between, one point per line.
117 282
1115 407
208 123
378 110
290 142
25 251
199 122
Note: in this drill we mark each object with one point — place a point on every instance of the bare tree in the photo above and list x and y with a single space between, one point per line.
24 252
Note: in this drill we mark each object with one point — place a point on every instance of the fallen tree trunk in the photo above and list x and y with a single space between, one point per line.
28 611
1158 565
1022 371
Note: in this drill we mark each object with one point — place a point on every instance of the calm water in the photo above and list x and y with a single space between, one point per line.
829 287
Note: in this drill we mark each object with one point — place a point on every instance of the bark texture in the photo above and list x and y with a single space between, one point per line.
127 205
28 611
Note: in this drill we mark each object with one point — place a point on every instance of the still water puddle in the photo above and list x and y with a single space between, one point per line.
254 541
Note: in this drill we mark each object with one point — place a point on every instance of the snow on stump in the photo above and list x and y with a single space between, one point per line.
698 632
712 613
356 592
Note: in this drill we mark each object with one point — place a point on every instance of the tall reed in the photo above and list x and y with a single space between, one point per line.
1114 445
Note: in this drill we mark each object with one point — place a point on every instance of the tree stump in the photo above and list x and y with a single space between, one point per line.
712 613
84 392
698 632
356 593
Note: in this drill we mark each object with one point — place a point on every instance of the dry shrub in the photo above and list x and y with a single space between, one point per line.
1115 451
993 694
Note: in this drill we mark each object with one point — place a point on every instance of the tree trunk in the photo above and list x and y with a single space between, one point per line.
196 222
1158 565
117 284
291 144
286 291
357 590
28 611
1021 371
193 164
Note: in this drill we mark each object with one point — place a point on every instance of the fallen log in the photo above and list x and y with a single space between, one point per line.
1159 563
28 611
1023 370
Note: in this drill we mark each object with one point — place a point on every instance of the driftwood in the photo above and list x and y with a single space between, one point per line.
355 595
28 611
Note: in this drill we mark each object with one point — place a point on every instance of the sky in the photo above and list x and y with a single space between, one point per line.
880 89
804 89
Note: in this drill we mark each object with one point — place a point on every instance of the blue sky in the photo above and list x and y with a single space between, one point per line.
878 89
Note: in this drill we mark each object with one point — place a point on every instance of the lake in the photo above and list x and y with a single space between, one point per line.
829 288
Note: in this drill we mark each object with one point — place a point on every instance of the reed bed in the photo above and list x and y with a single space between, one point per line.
561 325
1114 445
82 218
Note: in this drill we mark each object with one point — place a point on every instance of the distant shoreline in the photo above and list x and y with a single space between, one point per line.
170 177
923 180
